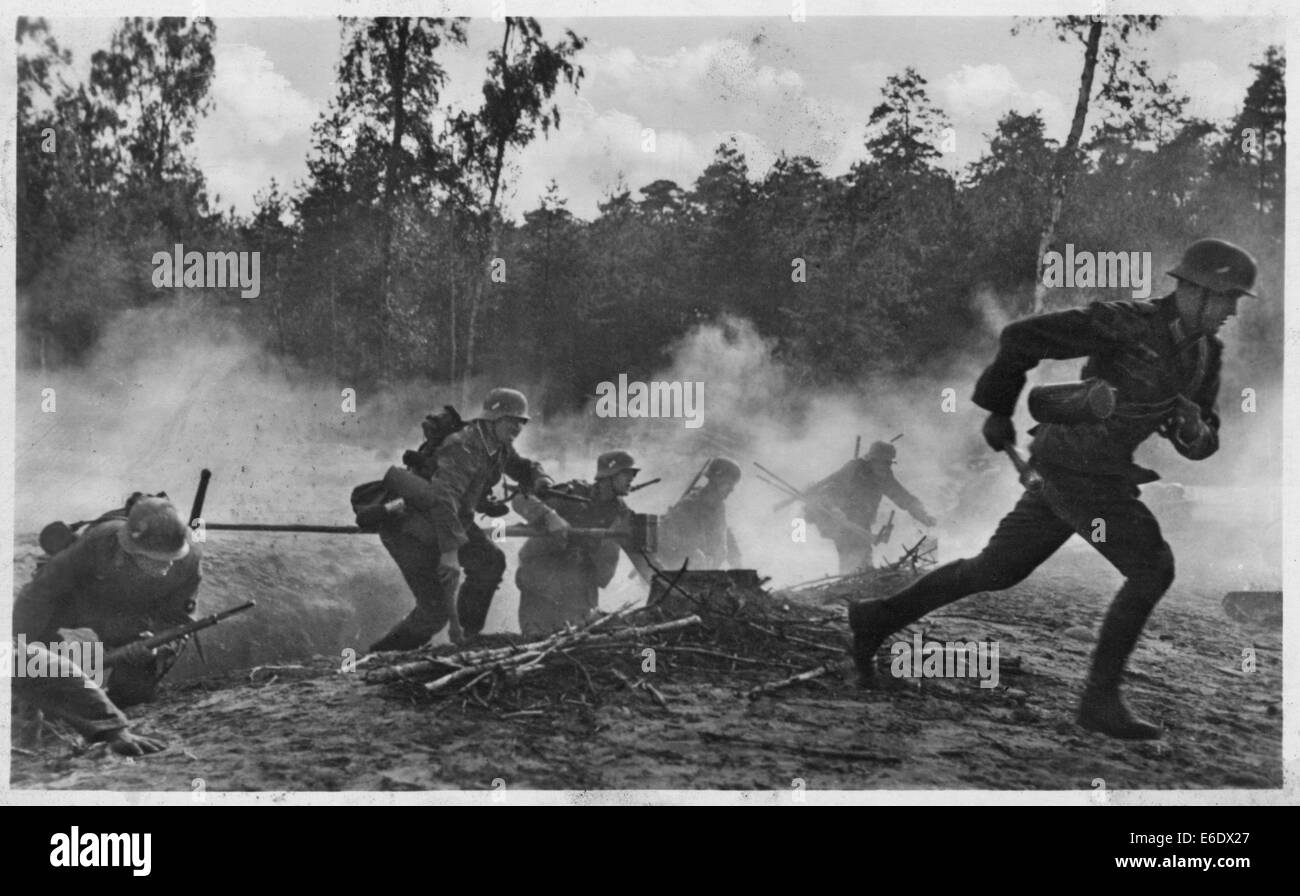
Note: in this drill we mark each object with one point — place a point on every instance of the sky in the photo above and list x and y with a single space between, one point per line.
773 85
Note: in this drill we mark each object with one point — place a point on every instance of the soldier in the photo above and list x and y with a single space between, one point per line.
559 576
128 574
696 526
432 546
1163 358
843 506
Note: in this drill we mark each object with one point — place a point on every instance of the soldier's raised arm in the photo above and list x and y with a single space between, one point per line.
1056 336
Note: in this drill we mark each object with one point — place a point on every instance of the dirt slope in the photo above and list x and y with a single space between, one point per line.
313 728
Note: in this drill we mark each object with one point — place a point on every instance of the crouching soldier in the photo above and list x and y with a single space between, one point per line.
560 575
130 573
695 528
433 536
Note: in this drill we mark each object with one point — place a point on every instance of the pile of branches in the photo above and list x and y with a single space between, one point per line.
724 634
874 583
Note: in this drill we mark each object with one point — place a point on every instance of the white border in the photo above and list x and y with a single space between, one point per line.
607 8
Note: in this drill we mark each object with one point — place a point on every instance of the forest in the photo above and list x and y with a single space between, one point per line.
393 259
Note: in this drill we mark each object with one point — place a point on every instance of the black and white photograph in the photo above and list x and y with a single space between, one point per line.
789 402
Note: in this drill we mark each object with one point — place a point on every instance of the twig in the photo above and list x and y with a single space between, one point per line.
785 637
809 675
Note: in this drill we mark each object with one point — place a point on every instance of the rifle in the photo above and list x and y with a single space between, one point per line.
835 515
696 479
196 509
886 530
116 655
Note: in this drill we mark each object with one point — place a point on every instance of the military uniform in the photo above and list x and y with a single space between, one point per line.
92 591
559 579
696 527
1088 474
856 490
469 464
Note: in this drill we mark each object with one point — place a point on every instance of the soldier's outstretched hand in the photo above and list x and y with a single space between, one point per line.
999 431
124 743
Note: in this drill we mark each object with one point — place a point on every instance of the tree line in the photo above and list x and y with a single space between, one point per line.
393 258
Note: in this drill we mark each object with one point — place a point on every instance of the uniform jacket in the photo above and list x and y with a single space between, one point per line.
596 557
94 584
470 463
699 522
856 489
1137 347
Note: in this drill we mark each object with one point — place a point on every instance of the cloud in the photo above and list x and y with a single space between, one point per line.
260 127
1211 94
693 99
975 97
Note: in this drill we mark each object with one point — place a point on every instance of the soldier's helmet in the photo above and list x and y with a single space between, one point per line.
154 529
611 463
882 451
505 403
720 468
1217 265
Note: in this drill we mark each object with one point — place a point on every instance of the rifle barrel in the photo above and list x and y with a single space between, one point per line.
196 509
280 527
177 632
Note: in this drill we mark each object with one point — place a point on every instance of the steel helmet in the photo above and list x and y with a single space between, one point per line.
882 451
154 529
611 463
505 403
1217 265
724 469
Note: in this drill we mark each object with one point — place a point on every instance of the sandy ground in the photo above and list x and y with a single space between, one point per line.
307 726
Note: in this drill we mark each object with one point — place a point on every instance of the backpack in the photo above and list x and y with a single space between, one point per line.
369 498
58 536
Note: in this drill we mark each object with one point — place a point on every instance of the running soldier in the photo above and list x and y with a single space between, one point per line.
852 495
1163 359
434 535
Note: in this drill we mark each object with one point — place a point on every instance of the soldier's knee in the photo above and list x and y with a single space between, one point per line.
1158 573
487 561
988 573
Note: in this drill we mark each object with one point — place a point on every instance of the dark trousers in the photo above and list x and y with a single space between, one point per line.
484 566
1106 512
554 592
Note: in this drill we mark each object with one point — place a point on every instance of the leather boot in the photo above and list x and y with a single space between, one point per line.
873 621
1101 709
414 631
